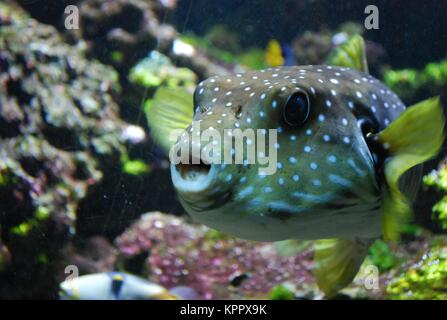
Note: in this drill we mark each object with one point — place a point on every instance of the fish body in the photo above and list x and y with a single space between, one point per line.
326 184
112 286
342 155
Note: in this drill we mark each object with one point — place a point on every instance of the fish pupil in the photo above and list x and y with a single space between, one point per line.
297 109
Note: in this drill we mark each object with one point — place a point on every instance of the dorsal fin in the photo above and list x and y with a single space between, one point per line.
351 54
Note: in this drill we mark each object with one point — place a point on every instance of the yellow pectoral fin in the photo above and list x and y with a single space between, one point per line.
337 262
415 137
169 111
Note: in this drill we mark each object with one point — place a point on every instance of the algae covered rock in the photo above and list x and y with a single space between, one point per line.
425 278
59 132
157 70
215 265
121 32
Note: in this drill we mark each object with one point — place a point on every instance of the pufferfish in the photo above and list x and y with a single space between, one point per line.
348 153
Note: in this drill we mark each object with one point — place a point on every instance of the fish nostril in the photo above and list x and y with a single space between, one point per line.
237 111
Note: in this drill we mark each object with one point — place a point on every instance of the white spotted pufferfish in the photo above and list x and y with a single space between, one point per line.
344 143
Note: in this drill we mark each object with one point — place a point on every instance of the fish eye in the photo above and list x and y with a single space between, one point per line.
297 109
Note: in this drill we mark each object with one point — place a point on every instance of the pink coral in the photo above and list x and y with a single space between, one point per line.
217 266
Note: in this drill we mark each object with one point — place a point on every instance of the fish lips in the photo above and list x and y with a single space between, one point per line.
199 187
190 179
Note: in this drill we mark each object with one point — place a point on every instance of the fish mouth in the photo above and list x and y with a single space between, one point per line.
193 178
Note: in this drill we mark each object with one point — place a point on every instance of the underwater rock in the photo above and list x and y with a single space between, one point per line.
424 276
96 255
5 256
121 32
59 133
215 265
312 48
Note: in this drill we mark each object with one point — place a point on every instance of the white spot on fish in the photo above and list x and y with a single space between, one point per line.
316 182
339 180
246 192
334 81
332 159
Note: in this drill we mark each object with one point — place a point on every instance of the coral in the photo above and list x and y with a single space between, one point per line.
382 256
94 256
157 70
59 133
222 38
413 85
124 28
215 265
425 278
437 179
251 58
311 48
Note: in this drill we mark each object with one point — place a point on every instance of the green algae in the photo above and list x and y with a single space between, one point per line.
424 280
